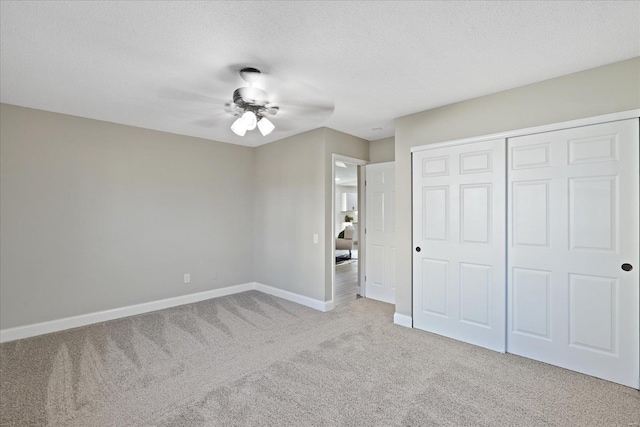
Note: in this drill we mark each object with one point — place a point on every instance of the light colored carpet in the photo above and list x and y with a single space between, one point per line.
253 359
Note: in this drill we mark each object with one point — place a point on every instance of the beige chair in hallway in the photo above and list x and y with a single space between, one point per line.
345 243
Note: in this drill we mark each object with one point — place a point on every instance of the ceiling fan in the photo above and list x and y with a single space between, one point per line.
251 104
262 101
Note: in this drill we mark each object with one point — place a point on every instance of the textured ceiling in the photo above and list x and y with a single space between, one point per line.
169 65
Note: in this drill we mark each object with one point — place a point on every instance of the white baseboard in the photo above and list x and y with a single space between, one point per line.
297 298
403 320
12 334
27 331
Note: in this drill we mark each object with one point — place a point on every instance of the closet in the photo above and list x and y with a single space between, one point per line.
529 244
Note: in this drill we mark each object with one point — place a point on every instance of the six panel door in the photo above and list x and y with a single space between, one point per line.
380 283
572 226
459 242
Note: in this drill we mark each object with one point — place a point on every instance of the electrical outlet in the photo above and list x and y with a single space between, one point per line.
214 275
315 238
187 278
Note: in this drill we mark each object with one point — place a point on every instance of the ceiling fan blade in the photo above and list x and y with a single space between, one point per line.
301 99
183 95
214 120
271 109
292 120
312 108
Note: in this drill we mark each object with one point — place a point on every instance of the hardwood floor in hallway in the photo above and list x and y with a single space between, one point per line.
346 282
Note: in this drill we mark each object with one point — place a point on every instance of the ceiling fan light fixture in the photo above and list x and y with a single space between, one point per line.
265 126
249 120
238 127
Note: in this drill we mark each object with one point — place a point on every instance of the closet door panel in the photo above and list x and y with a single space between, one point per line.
573 224
459 226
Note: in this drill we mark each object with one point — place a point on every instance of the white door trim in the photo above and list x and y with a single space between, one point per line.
622 115
362 237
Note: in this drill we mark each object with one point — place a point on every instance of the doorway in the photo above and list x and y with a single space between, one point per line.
347 218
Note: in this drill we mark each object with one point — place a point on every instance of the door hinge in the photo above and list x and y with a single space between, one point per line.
365 278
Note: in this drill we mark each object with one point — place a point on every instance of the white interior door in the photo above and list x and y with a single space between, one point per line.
381 232
459 227
573 223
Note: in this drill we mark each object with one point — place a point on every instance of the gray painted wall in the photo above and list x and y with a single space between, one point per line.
288 211
382 150
293 184
598 91
96 215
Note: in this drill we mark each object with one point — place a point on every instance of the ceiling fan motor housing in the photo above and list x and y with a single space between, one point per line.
253 99
250 97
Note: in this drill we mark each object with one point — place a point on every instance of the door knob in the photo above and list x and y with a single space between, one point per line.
418 249
627 267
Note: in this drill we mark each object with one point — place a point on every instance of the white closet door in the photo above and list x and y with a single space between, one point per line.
573 224
459 225
380 274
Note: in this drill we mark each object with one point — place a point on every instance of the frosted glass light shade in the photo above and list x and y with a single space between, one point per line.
265 126
238 127
249 120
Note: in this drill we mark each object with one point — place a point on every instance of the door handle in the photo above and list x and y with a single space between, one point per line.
418 249
627 267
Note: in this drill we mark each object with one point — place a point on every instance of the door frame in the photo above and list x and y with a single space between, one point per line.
361 216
